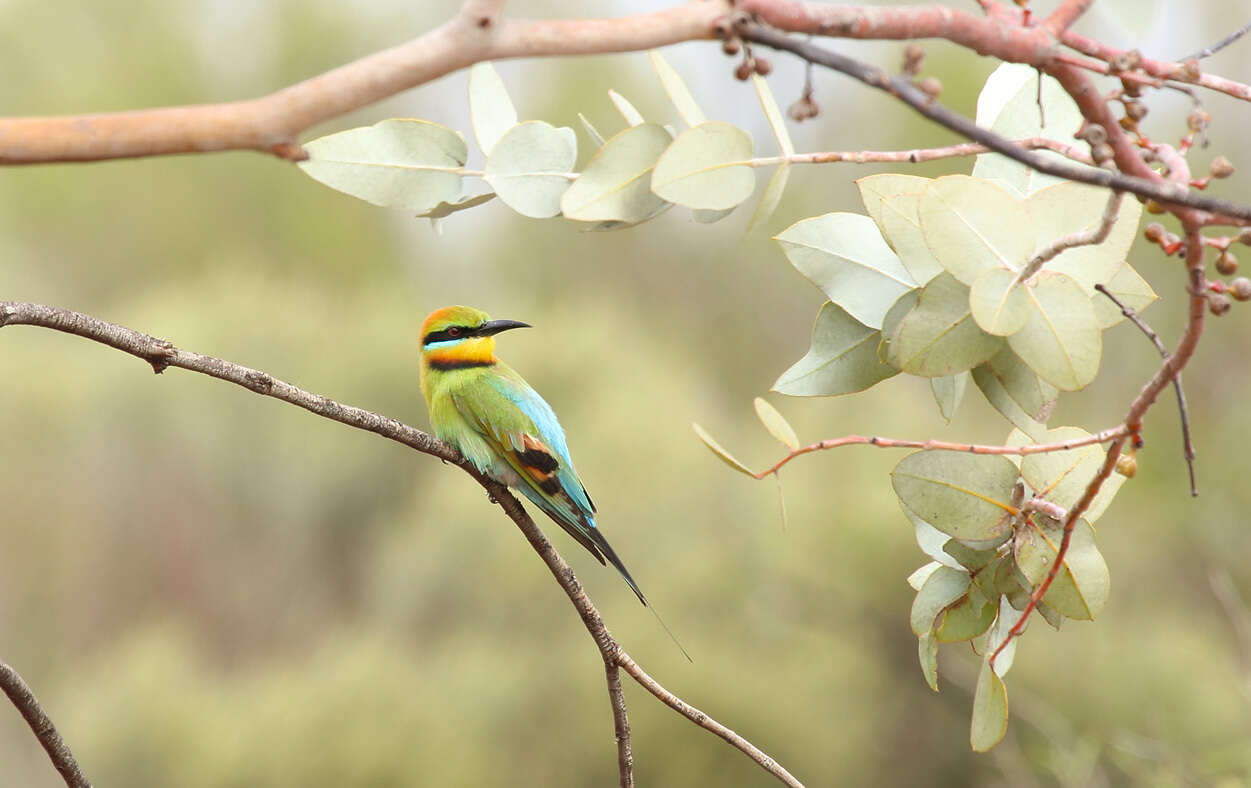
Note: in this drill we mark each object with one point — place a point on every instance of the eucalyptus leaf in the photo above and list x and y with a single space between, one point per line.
875 190
1036 396
707 216
776 424
1081 587
409 164
932 541
490 108
845 256
1007 619
842 359
939 336
677 90
1061 340
1009 105
716 449
963 495
948 392
927 652
998 302
529 167
942 588
890 326
615 185
971 225
706 167
990 710
777 124
966 620
918 578
631 115
902 228
1068 208
1130 288
999 398
591 131
770 199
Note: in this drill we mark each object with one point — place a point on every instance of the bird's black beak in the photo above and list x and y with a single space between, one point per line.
496 326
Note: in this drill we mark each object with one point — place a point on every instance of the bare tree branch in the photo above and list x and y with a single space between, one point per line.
1095 235
162 354
58 752
1219 45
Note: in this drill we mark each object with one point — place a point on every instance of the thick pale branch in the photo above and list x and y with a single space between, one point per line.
918 155
161 354
21 696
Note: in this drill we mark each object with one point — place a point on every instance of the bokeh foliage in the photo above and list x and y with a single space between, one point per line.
208 588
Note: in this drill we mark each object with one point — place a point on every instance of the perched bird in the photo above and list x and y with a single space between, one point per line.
487 411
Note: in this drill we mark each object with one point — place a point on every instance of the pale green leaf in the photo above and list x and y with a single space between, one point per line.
678 92
708 216
843 358
490 108
706 167
966 620
971 224
1008 105
529 167
1068 208
969 558
939 336
1001 401
631 115
990 710
770 199
845 256
1062 476
918 578
1081 587
774 115
948 391
1036 396
613 225
1008 618
615 185
998 302
591 131
1128 286
409 164
776 423
963 495
875 190
1061 340
931 541
902 228
942 588
725 456
890 326
927 651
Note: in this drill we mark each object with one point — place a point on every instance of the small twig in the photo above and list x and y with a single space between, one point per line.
1219 45
933 445
162 354
918 155
1166 193
58 752
1188 448
1092 237
1065 15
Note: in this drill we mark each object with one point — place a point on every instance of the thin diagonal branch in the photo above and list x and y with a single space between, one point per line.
1219 45
1065 15
162 354
58 752
1188 447
917 155
621 725
1166 193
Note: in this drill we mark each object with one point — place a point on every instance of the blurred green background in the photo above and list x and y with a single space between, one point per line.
209 588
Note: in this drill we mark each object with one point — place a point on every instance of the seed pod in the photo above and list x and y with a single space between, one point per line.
1154 232
1226 264
1127 465
1240 289
931 87
1219 303
731 46
1244 236
1221 167
743 71
764 66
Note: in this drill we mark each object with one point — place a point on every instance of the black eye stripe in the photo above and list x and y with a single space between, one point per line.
446 334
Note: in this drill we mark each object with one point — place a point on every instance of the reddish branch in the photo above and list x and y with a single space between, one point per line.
162 354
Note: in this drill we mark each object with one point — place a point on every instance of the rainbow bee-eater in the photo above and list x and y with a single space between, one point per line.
486 410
